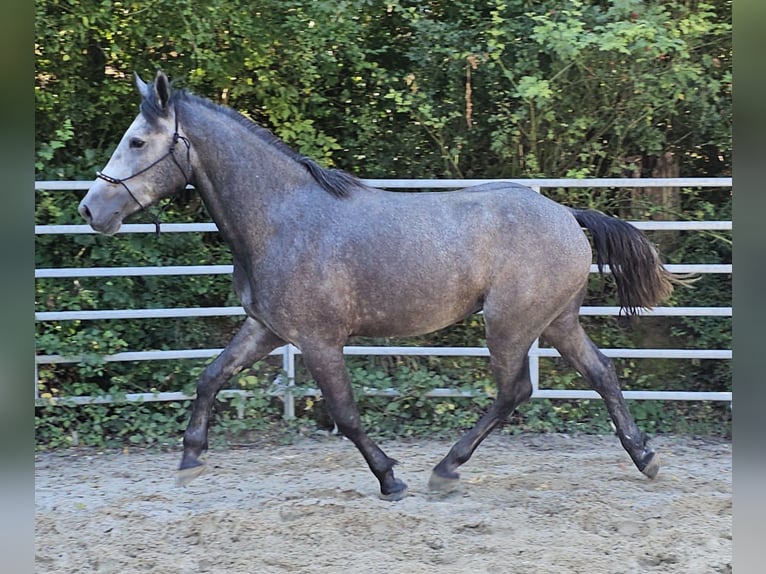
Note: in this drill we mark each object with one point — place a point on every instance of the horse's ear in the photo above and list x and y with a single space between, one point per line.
162 87
142 86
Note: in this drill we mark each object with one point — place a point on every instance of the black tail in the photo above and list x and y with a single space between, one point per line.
642 281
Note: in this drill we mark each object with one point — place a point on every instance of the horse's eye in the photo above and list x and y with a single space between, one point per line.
136 143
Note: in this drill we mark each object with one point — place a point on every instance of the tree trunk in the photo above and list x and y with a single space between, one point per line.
657 203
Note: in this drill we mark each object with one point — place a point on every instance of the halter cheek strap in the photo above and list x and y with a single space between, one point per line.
171 152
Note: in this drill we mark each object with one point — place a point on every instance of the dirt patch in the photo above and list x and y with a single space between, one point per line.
527 504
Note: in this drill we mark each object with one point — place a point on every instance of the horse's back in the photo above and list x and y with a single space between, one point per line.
505 220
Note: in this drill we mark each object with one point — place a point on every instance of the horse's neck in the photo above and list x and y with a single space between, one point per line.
239 178
238 166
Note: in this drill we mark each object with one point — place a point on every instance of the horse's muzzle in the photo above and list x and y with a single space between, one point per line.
108 225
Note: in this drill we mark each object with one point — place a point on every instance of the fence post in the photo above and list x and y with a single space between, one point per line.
288 365
534 366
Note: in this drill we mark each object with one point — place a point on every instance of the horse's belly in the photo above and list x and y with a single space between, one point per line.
410 316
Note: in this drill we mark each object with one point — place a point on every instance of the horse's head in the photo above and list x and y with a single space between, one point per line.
152 161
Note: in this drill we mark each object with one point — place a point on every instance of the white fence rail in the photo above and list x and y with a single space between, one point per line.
285 386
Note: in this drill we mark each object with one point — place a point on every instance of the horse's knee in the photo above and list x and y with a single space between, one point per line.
205 388
511 373
523 391
348 421
511 397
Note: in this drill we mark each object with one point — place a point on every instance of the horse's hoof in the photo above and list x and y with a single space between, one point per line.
394 496
398 494
185 475
438 484
652 467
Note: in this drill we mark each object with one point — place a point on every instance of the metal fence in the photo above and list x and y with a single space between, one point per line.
285 386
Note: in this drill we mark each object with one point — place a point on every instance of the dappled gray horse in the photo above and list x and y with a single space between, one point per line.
320 257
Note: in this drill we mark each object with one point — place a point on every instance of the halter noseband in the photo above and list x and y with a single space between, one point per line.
171 152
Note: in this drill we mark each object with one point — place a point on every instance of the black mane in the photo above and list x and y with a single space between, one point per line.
336 182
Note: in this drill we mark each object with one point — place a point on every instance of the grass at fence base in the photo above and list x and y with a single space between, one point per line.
258 419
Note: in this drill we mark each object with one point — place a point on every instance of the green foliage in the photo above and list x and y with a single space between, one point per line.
404 88
110 426
503 88
47 150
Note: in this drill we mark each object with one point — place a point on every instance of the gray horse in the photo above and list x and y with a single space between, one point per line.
319 257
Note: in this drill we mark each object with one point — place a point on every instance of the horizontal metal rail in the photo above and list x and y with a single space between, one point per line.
433 393
129 356
553 183
149 271
127 228
181 312
178 270
213 228
459 183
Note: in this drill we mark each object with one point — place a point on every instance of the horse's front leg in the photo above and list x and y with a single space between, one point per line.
328 368
252 342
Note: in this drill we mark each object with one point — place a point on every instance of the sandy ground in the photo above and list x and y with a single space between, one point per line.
527 504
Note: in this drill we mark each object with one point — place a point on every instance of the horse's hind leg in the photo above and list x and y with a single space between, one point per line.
510 368
568 336
328 368
252 342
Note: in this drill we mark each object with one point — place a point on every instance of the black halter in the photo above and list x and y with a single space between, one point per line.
171 152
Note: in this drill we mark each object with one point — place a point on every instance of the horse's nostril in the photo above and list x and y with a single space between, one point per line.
85 212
